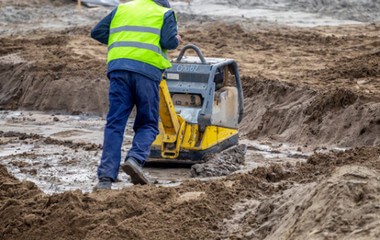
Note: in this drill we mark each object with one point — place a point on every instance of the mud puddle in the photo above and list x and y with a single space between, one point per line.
61 152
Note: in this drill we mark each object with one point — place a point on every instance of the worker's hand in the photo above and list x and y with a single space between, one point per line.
179 38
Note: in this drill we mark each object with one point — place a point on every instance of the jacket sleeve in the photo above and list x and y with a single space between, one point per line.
169 32
101 31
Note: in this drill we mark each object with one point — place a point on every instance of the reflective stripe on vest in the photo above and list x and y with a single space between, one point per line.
147 46
135 33
136 29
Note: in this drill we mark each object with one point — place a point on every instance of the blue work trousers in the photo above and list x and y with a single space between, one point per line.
129 89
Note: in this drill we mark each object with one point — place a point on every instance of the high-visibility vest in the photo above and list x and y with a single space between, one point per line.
135 33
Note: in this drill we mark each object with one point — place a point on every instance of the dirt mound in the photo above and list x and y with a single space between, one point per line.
204 210
341 205
365 66
329 101
287 112
117 215
14 196
12 191
53 73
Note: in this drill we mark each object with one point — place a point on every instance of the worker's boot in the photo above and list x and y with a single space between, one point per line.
134 170
103 184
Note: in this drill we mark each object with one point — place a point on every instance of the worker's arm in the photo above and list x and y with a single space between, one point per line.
101 31
169 32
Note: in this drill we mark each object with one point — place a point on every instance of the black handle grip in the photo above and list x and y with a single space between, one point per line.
193 47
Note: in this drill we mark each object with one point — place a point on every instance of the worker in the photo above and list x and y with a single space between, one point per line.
138 34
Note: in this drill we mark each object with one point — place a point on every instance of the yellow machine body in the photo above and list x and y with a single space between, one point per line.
176 135
216 107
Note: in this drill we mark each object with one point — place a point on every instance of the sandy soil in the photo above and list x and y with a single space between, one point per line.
312 127
331 196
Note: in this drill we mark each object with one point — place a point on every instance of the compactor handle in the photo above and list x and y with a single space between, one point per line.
193 47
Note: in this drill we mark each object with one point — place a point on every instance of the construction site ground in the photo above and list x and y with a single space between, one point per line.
311 82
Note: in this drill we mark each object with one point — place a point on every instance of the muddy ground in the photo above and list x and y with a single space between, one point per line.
312 127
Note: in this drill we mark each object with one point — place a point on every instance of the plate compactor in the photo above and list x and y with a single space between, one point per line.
201 104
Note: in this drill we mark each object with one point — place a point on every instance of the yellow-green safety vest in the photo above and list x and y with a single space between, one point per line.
135 33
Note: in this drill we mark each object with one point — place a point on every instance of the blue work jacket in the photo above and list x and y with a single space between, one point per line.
168 41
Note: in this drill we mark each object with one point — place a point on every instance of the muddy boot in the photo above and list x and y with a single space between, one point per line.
103 184
134 170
